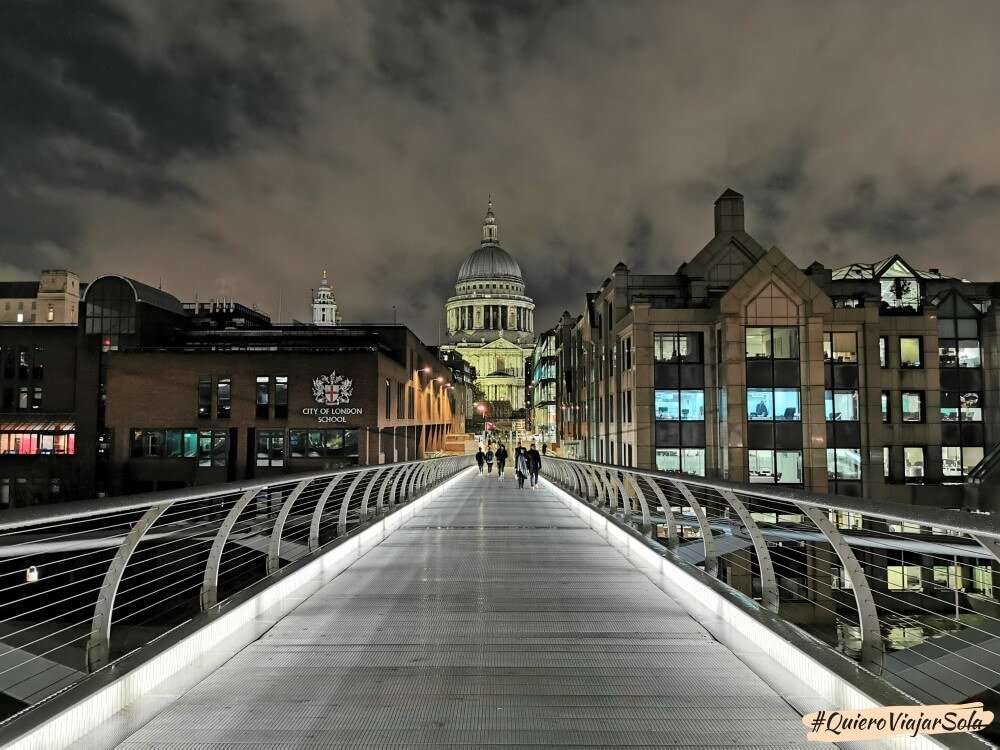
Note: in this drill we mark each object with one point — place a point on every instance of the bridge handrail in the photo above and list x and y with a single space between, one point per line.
865 566
69 573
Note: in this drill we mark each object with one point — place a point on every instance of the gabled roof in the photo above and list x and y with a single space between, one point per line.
894 267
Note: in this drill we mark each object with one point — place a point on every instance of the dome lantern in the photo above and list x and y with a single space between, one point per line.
491 230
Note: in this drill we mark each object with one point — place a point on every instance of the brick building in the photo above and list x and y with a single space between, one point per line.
874 379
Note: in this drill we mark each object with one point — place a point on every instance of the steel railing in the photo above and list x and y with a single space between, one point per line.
82 584
911 593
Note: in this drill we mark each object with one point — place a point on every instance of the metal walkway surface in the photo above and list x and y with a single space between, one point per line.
494 617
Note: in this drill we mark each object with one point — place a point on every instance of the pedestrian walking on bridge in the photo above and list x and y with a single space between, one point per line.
534 464
501 456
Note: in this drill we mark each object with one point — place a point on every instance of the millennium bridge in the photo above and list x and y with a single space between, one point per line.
422 604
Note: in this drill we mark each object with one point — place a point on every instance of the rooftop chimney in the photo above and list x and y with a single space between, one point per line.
729 212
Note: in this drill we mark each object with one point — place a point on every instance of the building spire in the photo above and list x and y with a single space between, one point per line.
491 230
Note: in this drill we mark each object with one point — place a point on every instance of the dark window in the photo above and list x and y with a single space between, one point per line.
281 397
23 363
224 398
263 398
9 362
38 363
270 447
400 400
204 398
388 399
213 448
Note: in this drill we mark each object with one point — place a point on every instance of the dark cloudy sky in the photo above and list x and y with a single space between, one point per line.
239 147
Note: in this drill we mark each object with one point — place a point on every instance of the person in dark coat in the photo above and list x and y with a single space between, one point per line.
489 458
534 464
480 458
501 456
521 466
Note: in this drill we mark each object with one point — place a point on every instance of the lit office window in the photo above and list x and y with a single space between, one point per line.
913 462
910 351
886 465
840 346
912 406
37 443
903 578
961 407
885 407
686 460
883 351
841 406
843 463
775 467
772 342
949 576
778 404
959 460
677 347
687 405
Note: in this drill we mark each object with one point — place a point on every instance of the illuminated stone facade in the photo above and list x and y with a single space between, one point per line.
491 321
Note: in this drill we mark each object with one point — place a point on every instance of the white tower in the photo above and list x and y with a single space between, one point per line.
324 305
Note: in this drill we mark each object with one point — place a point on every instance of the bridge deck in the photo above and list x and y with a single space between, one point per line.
494 617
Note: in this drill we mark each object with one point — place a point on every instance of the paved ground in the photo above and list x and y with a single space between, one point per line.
493 618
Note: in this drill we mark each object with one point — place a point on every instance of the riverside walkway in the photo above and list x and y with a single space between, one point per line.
494 617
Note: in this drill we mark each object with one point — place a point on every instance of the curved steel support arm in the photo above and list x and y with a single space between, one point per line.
317 515
768 582
399 481
99 643
274 546
390 479
711 562
210 584
647 523
992 545
872 650
342 517
368 493
672 537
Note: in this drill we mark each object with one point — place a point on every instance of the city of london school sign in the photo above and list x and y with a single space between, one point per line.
333 392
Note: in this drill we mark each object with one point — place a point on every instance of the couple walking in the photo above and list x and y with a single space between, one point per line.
527 464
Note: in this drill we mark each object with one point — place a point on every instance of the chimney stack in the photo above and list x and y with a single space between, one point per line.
729 212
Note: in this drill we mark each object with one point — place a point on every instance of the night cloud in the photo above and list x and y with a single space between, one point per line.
241 147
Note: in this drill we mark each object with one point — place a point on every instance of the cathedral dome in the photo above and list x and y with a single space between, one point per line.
490 262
